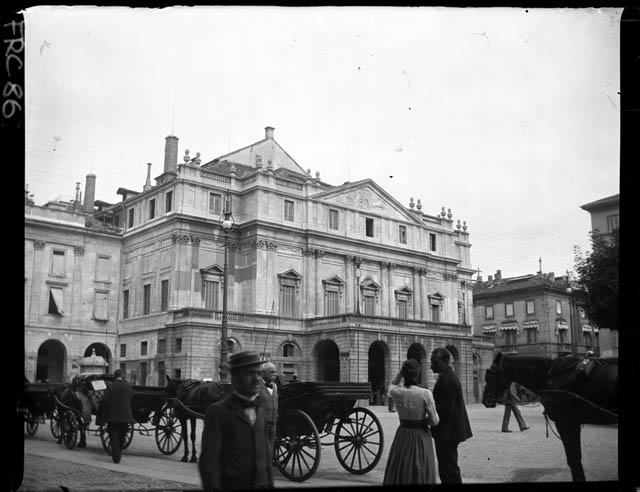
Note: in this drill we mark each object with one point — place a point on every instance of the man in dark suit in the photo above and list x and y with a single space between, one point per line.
117 402
511 400
269 401
454 423
235 451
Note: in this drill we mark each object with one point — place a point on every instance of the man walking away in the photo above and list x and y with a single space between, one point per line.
117 401
454 423
235 452
269 399
511 400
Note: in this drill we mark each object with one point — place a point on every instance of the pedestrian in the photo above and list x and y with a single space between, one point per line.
411 458
269 399
511 400
118 413
235 452
454 424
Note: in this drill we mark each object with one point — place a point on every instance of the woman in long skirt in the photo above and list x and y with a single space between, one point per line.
412 456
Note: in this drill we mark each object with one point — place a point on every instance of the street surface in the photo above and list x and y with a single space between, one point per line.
490 456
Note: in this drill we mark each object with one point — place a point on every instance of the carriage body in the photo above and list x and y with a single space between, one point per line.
313 412
37 404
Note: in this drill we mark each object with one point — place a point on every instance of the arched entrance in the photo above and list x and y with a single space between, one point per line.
418 353
51 359
477 369
101 350
377 352
328 360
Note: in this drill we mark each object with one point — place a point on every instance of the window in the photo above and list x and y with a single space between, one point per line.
177 373
288 300
369 305
167 201
402 234
488 312
100 306
146 300
532 336
143 373
161 373
131 215
403 309
125 304
57 263
511 337
210 294
583 315
432 241
288 350
123 368
215 204
288 210
102 268
331 305
531 307
435 313
116 220
162 346
588 340
334 220
368 227
508 309
56 305
143 348
562 336
613 223
152 208
558 307
123 350
179 344
164 299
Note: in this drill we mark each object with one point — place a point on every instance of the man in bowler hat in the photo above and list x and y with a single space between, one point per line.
454 423
235 451
118 414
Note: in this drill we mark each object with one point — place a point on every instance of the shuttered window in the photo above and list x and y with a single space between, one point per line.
211 294
100 306
288 293
332 302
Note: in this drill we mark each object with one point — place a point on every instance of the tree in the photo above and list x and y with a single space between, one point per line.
598 280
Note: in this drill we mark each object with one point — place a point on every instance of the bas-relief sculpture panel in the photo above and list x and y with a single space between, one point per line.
368 200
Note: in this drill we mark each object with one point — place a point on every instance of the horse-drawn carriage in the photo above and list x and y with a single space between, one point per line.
80 401
37 404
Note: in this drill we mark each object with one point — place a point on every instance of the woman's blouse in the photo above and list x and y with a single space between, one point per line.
414 403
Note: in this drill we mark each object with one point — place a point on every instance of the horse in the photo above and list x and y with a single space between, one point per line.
193 396
573 391
76 396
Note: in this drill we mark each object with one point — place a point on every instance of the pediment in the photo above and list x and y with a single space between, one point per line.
262 154
367 196
369 284
335 280
212 270
290 274
404 290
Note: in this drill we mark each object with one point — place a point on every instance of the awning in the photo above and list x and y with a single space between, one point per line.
530 325
586 328
562 325
509 326
489 329
56 293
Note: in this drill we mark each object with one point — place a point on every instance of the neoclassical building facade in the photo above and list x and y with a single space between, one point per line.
337 283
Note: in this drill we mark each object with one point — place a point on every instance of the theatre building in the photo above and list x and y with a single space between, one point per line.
334 283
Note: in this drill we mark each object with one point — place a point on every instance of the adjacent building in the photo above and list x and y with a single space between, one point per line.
336 283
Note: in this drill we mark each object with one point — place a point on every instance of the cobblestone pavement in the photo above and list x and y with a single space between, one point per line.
490 456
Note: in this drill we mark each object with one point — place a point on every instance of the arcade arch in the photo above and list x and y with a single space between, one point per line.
378 363
418 353
327 357
50 366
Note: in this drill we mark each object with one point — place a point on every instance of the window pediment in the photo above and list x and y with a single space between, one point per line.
213 270
436 299
334 283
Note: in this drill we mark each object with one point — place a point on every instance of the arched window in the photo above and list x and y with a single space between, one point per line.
288 350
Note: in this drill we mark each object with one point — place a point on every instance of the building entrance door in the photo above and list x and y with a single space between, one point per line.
377 372
328 360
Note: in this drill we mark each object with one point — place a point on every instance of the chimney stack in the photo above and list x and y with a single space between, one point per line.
268 132
89 193
490 278
171 155
479 278
498 274
552 276
147 185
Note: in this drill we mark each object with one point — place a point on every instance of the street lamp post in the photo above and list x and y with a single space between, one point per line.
227 224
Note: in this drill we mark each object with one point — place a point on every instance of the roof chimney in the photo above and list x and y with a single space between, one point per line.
89 193
479 278
490 278
552 276
171 154
147 185
498 274
268 132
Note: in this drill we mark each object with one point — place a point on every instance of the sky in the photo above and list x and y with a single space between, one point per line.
510 117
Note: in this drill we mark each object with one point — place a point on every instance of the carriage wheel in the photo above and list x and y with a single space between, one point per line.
297 446
70 428
31 423
168 431
359 441
55 423
105 438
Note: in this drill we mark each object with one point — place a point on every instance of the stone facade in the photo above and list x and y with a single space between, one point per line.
330 282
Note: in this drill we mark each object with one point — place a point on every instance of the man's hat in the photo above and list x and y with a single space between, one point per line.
243 359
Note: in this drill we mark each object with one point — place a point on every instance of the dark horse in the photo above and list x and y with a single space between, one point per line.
573 391
76 396
189 397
